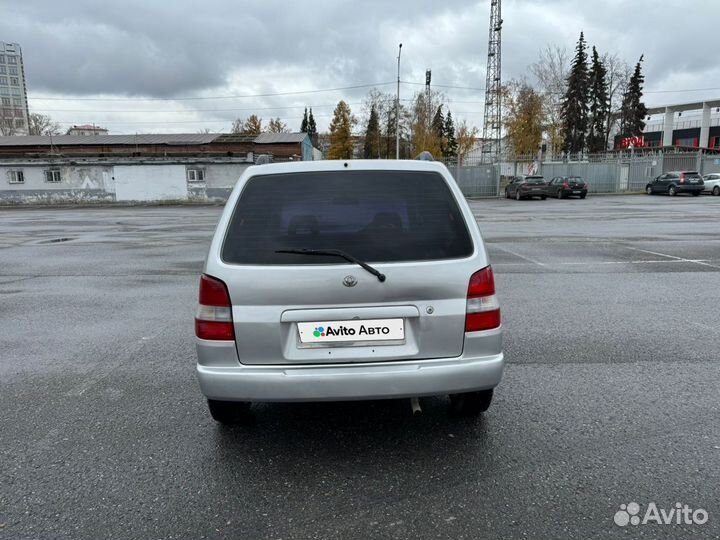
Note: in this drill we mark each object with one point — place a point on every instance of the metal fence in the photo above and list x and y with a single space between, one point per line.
626 172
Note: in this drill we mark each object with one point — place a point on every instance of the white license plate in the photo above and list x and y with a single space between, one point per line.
354 330
574 192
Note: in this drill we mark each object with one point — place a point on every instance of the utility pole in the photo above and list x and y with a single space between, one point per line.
492 124
397 109
428 100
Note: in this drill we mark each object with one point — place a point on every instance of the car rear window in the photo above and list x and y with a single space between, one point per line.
535 180
376 216
692 174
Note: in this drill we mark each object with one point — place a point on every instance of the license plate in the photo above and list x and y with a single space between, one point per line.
693 181
574 192
535 189
353 330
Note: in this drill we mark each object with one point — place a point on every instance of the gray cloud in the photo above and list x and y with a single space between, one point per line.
220 47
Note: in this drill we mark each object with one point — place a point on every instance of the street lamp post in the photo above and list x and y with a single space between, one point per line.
397 109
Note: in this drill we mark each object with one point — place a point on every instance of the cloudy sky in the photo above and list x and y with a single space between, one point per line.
180 66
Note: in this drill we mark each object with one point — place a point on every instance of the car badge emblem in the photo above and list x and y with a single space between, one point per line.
349 281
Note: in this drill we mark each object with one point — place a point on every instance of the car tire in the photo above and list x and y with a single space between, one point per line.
672 191
716 191
543 197
583 195
507 194
470 403
648 190
517 196
560 194
230 412
696 193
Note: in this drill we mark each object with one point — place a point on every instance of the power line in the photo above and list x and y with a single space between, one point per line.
274 94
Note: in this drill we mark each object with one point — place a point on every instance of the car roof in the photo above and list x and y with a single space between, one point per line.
348 165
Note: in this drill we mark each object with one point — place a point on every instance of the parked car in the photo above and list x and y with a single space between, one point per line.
526 187
711 183
563 187
357 280
675 182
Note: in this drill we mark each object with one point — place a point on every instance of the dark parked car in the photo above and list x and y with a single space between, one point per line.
675 182
526 187
567 186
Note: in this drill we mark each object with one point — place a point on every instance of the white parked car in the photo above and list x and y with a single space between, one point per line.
712 183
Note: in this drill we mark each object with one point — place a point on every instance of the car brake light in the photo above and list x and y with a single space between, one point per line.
682 178
213 320
483 309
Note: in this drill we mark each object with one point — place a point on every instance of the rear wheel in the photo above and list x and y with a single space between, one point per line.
672 191
716 191
582 196
543 197
696 193
230 412
470 403
517 196
649 190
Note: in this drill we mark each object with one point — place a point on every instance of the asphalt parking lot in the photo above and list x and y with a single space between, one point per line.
610 307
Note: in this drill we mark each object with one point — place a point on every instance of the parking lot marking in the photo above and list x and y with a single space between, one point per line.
511 252
673 257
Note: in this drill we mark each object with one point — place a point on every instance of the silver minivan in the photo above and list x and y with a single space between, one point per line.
357 280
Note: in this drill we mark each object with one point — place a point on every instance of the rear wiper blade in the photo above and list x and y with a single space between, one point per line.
336 253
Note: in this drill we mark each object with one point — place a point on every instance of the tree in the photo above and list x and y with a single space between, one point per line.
277 126
7 127
341 142
384 106
551 71
466 138
633 113
251 126
524 118
450 145
424 137
304 123
438 125
599 104
575 103
312 128
42 124
371 148
618 76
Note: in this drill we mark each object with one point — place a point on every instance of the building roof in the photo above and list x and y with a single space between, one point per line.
107 140
680 107
280 138
171 140
89 126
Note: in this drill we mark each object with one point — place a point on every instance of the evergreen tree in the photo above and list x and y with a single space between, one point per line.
438 128
450 142
575 103
599 104
304 123
372 136
633 111
341 143
312 128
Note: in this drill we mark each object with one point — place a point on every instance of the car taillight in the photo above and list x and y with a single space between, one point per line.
213 320
524 186
566 185
682 178
483 309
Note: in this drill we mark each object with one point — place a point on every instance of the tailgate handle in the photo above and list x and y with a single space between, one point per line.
345 314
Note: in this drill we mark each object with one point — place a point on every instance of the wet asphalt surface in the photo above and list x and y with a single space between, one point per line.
610 395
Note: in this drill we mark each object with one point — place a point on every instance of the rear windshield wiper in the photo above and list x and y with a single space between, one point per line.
336 253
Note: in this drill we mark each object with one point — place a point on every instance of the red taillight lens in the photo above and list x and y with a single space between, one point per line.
213 320
566 185
483 308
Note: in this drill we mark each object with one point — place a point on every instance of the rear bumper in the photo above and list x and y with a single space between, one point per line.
577 192
690 189
341 382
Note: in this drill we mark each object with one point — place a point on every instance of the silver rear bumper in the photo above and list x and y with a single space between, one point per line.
340 382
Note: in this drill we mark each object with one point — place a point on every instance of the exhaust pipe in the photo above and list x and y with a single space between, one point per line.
415 406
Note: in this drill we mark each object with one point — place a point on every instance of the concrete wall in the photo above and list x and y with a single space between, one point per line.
150 183
128 181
